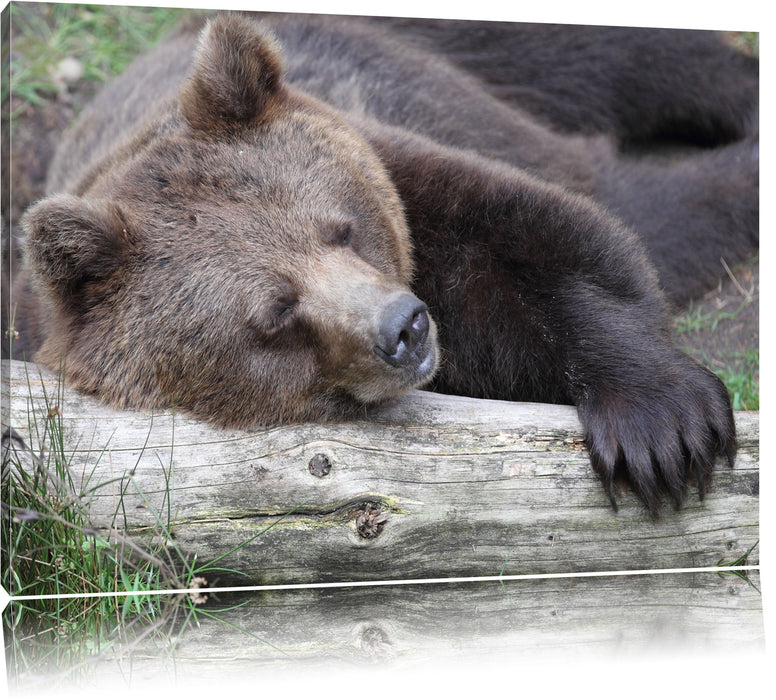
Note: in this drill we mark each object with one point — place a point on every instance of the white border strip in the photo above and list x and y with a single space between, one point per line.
400 582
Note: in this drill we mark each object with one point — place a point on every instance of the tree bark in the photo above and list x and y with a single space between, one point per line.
427 486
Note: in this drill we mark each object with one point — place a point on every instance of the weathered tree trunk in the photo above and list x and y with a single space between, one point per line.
704 612
602 620
428 486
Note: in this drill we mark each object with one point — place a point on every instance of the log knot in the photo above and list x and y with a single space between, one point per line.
375 642
320 465
369 520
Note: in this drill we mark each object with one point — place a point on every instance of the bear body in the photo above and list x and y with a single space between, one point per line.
297 218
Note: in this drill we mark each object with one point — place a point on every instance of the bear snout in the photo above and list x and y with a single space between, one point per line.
402 331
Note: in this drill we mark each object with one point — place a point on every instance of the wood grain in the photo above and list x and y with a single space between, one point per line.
428 486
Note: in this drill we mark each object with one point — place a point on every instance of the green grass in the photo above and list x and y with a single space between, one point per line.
743 560
58 560
697 319
749 41
740 371
695 330
103 39
743 383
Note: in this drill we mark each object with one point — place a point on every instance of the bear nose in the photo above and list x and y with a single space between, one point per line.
403 327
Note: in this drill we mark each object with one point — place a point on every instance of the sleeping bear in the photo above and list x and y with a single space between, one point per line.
283 218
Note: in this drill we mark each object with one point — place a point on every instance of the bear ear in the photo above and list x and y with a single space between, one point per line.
74 246
236 71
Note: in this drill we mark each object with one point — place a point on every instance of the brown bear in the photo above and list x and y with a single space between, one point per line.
296 218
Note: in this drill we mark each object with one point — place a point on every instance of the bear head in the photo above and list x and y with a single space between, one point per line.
244 256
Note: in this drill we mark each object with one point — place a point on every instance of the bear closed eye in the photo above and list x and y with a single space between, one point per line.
301 216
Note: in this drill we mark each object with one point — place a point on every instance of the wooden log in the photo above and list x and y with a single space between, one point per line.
601 619
608 614
427 486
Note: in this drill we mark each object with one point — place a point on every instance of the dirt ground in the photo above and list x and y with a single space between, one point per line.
733 325
721 329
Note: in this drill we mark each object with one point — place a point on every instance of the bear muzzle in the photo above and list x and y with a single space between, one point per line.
402 332
373 337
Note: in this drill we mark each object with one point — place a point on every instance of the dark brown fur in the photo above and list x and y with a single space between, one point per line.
247 241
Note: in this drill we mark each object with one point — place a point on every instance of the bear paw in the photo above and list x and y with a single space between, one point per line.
663 435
